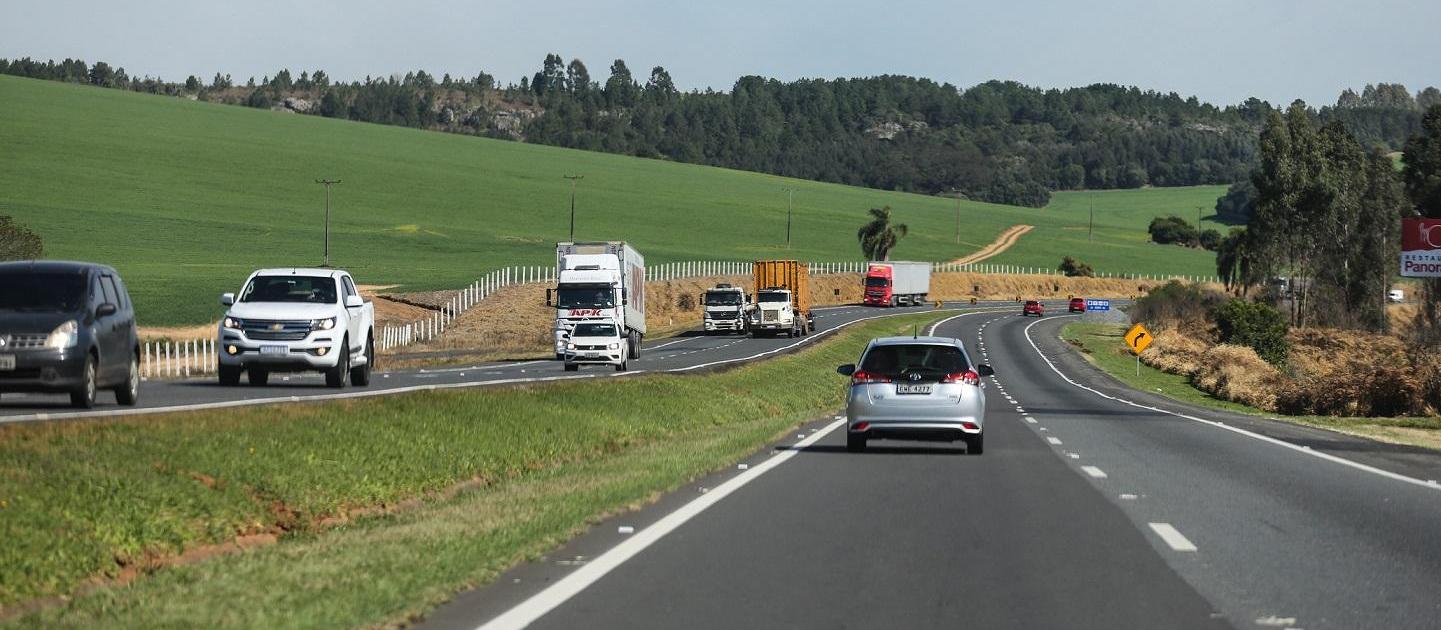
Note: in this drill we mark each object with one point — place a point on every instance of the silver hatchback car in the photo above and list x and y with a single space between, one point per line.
916 388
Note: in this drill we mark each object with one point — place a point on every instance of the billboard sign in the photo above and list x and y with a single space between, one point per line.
1421 248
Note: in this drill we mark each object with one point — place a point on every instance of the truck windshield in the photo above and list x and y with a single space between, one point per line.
773 296
585 296
51 292
723 298
594 330
306 289
875 281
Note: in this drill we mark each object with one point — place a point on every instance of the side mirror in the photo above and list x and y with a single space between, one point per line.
547 297
985 370
624 297
847 369
105 309
227 299
354 301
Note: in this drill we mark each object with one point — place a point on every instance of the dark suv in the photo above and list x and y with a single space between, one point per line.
67 327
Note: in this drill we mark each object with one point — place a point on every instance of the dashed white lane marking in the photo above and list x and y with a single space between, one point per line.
1030 420
1054 441
1094 472
1172 537
1128 497
556 594
1221 425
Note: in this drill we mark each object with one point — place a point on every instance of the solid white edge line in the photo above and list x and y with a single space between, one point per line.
1172 537
1221 425
553 596
1094 472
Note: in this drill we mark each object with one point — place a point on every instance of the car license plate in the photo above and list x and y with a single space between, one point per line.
274 350
7 362
913 389
592 355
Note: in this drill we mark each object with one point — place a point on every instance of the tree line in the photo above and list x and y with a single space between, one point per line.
998 141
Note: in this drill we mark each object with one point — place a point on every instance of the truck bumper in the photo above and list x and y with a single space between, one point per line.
725 324
319 352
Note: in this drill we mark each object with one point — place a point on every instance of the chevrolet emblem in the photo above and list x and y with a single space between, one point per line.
277 326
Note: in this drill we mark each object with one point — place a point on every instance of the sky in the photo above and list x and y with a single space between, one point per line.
1222 51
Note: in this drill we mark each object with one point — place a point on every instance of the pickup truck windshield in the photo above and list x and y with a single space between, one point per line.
773 296
307 289
726 298
51 292
585 296
594 330
877 282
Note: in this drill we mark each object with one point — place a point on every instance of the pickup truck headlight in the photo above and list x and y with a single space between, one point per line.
66 335
570 346
322 324
232 322
614 346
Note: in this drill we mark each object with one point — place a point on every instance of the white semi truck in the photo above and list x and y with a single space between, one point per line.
725 309
598 281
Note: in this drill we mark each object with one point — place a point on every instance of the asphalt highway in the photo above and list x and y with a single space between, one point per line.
1094 506
681 354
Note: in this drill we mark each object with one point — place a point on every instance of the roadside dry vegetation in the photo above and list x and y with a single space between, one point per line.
381 507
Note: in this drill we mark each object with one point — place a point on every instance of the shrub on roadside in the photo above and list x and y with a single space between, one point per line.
1254 325
1238 374
18 242
1074 268
1178 306
1375 391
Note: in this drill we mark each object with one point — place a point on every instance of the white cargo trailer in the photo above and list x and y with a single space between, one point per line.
600 280
897 283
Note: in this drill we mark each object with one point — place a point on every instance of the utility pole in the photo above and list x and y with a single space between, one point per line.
327 183
958 217
790 201
573 179
1091 227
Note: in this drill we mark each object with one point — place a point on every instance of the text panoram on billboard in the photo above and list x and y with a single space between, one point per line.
1421 248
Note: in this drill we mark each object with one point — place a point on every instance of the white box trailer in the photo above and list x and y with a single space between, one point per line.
598 280
897 283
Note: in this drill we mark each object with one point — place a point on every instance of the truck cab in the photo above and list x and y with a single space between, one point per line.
724 309
774 313
878 287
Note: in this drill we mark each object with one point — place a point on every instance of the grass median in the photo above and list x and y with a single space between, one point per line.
1103 346
382 507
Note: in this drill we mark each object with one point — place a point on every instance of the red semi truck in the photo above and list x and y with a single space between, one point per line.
897 283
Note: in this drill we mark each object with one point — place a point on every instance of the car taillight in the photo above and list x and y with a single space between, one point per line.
969 377
862 378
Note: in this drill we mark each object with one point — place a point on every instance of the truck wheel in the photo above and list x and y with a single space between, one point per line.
84 396
634 341
571 367
259 376
559 357
129 393
335 377
360 375
229 375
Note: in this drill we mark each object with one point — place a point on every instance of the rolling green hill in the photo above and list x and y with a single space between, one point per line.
185 198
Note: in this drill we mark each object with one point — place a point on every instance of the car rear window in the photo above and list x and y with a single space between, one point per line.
1031 303
928 360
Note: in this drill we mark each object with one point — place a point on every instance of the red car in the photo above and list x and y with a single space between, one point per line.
1078 305
1033 307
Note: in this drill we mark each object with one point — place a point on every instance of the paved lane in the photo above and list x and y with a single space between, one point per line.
1086 511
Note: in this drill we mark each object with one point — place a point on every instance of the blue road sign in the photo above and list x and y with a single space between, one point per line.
1098 305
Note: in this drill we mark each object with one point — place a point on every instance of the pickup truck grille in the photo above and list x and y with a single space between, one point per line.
23 342
270 330
578 347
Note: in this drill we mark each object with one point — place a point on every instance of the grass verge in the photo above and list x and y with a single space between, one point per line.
1101 344
383 507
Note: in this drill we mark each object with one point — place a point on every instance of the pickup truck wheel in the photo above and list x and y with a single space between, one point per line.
360 375
229 375
571 367
621 367
84 396
335 377
259 376
128 393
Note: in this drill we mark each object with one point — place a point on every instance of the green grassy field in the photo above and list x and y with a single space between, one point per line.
185 198
538 464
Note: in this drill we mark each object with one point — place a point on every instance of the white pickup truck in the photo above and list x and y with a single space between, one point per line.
297 320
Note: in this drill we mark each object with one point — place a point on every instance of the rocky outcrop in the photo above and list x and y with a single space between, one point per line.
298 105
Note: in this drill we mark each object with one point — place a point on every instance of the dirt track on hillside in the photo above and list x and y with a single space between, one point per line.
1001 244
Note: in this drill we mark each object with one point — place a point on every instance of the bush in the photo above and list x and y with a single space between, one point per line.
17 242
1254 325
1173 230
1074 268
1211 240
1176 305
